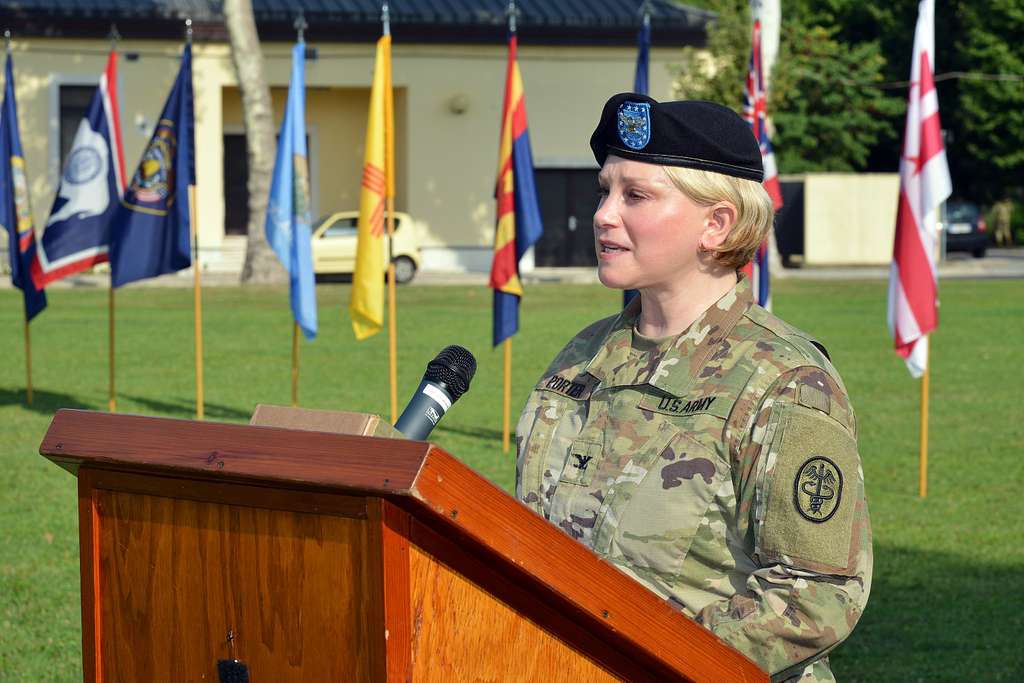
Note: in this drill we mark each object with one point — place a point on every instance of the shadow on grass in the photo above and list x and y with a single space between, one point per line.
187 409
476 432
937 617
43 401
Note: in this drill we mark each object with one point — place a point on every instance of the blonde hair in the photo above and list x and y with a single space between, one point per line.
754 212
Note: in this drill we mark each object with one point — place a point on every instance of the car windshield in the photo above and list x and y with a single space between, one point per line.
961 212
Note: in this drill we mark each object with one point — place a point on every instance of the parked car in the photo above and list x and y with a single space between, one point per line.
965 227
334 245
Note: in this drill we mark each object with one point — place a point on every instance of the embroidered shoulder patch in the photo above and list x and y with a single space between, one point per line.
818 489
810 482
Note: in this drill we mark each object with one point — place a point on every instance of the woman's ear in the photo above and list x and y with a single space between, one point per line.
720 219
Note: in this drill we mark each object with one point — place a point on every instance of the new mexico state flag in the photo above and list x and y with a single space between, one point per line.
367 305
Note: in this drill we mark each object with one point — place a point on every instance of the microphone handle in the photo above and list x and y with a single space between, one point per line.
426 408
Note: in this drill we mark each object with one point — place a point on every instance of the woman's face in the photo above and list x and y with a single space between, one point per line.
646 231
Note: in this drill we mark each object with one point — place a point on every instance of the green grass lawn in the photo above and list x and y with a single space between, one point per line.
948 596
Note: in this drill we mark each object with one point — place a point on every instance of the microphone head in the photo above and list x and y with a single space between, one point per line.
454 367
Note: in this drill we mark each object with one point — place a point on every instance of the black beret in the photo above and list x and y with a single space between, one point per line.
689 133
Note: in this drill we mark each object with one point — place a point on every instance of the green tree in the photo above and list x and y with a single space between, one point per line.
986 119
825 103
827 111
718 71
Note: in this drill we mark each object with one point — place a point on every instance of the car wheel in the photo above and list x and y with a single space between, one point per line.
405 269
978 253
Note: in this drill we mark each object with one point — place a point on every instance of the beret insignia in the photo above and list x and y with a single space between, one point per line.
635 124
817 489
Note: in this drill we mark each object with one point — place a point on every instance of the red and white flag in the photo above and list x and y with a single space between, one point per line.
924 185
755 111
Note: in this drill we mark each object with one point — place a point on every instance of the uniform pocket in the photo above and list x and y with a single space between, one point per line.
547 427
652 520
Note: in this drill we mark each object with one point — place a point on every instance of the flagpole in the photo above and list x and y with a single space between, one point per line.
112 401
197 304
295 364
507 398
923 475
28 362
389 156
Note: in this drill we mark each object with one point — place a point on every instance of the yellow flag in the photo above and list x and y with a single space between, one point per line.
367 305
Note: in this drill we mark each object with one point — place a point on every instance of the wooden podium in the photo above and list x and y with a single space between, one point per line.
311 556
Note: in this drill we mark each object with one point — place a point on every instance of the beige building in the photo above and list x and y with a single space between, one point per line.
448 72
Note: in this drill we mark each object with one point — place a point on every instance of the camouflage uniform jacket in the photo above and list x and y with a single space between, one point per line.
718 468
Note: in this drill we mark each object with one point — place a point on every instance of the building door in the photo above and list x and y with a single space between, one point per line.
236 191
568 198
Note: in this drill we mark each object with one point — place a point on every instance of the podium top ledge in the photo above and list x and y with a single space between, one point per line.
235 452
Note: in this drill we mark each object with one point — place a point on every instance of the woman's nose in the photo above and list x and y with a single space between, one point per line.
605 216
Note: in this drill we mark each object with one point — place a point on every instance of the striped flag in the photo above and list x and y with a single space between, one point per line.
924 185
518 215
15 208
77 233
755 111
367 305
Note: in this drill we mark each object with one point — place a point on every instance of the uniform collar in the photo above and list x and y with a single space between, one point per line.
677 363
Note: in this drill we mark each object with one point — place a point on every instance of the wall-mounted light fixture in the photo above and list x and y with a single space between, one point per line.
458 104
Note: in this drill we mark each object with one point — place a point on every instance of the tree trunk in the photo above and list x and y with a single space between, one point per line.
261 265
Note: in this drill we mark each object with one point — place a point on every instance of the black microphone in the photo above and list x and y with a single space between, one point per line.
446 379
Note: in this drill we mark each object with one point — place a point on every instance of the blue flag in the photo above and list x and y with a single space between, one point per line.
288 216
15 210
150 234
640 86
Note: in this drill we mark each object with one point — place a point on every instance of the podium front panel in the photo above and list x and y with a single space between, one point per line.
185 573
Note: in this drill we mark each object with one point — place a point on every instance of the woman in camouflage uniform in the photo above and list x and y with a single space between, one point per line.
695 441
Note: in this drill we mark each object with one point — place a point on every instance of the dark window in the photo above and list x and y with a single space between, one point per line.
74 104
236 189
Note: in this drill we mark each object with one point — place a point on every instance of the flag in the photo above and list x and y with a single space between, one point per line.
77 233
518 215
367 305
149 235
643 40
640 86
755 111
288 209
924 185
15 209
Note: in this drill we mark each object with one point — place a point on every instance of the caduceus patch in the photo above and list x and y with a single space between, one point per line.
817 489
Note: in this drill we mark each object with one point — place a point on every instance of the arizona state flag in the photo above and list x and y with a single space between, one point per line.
367 305
518 215
150 234
15 209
